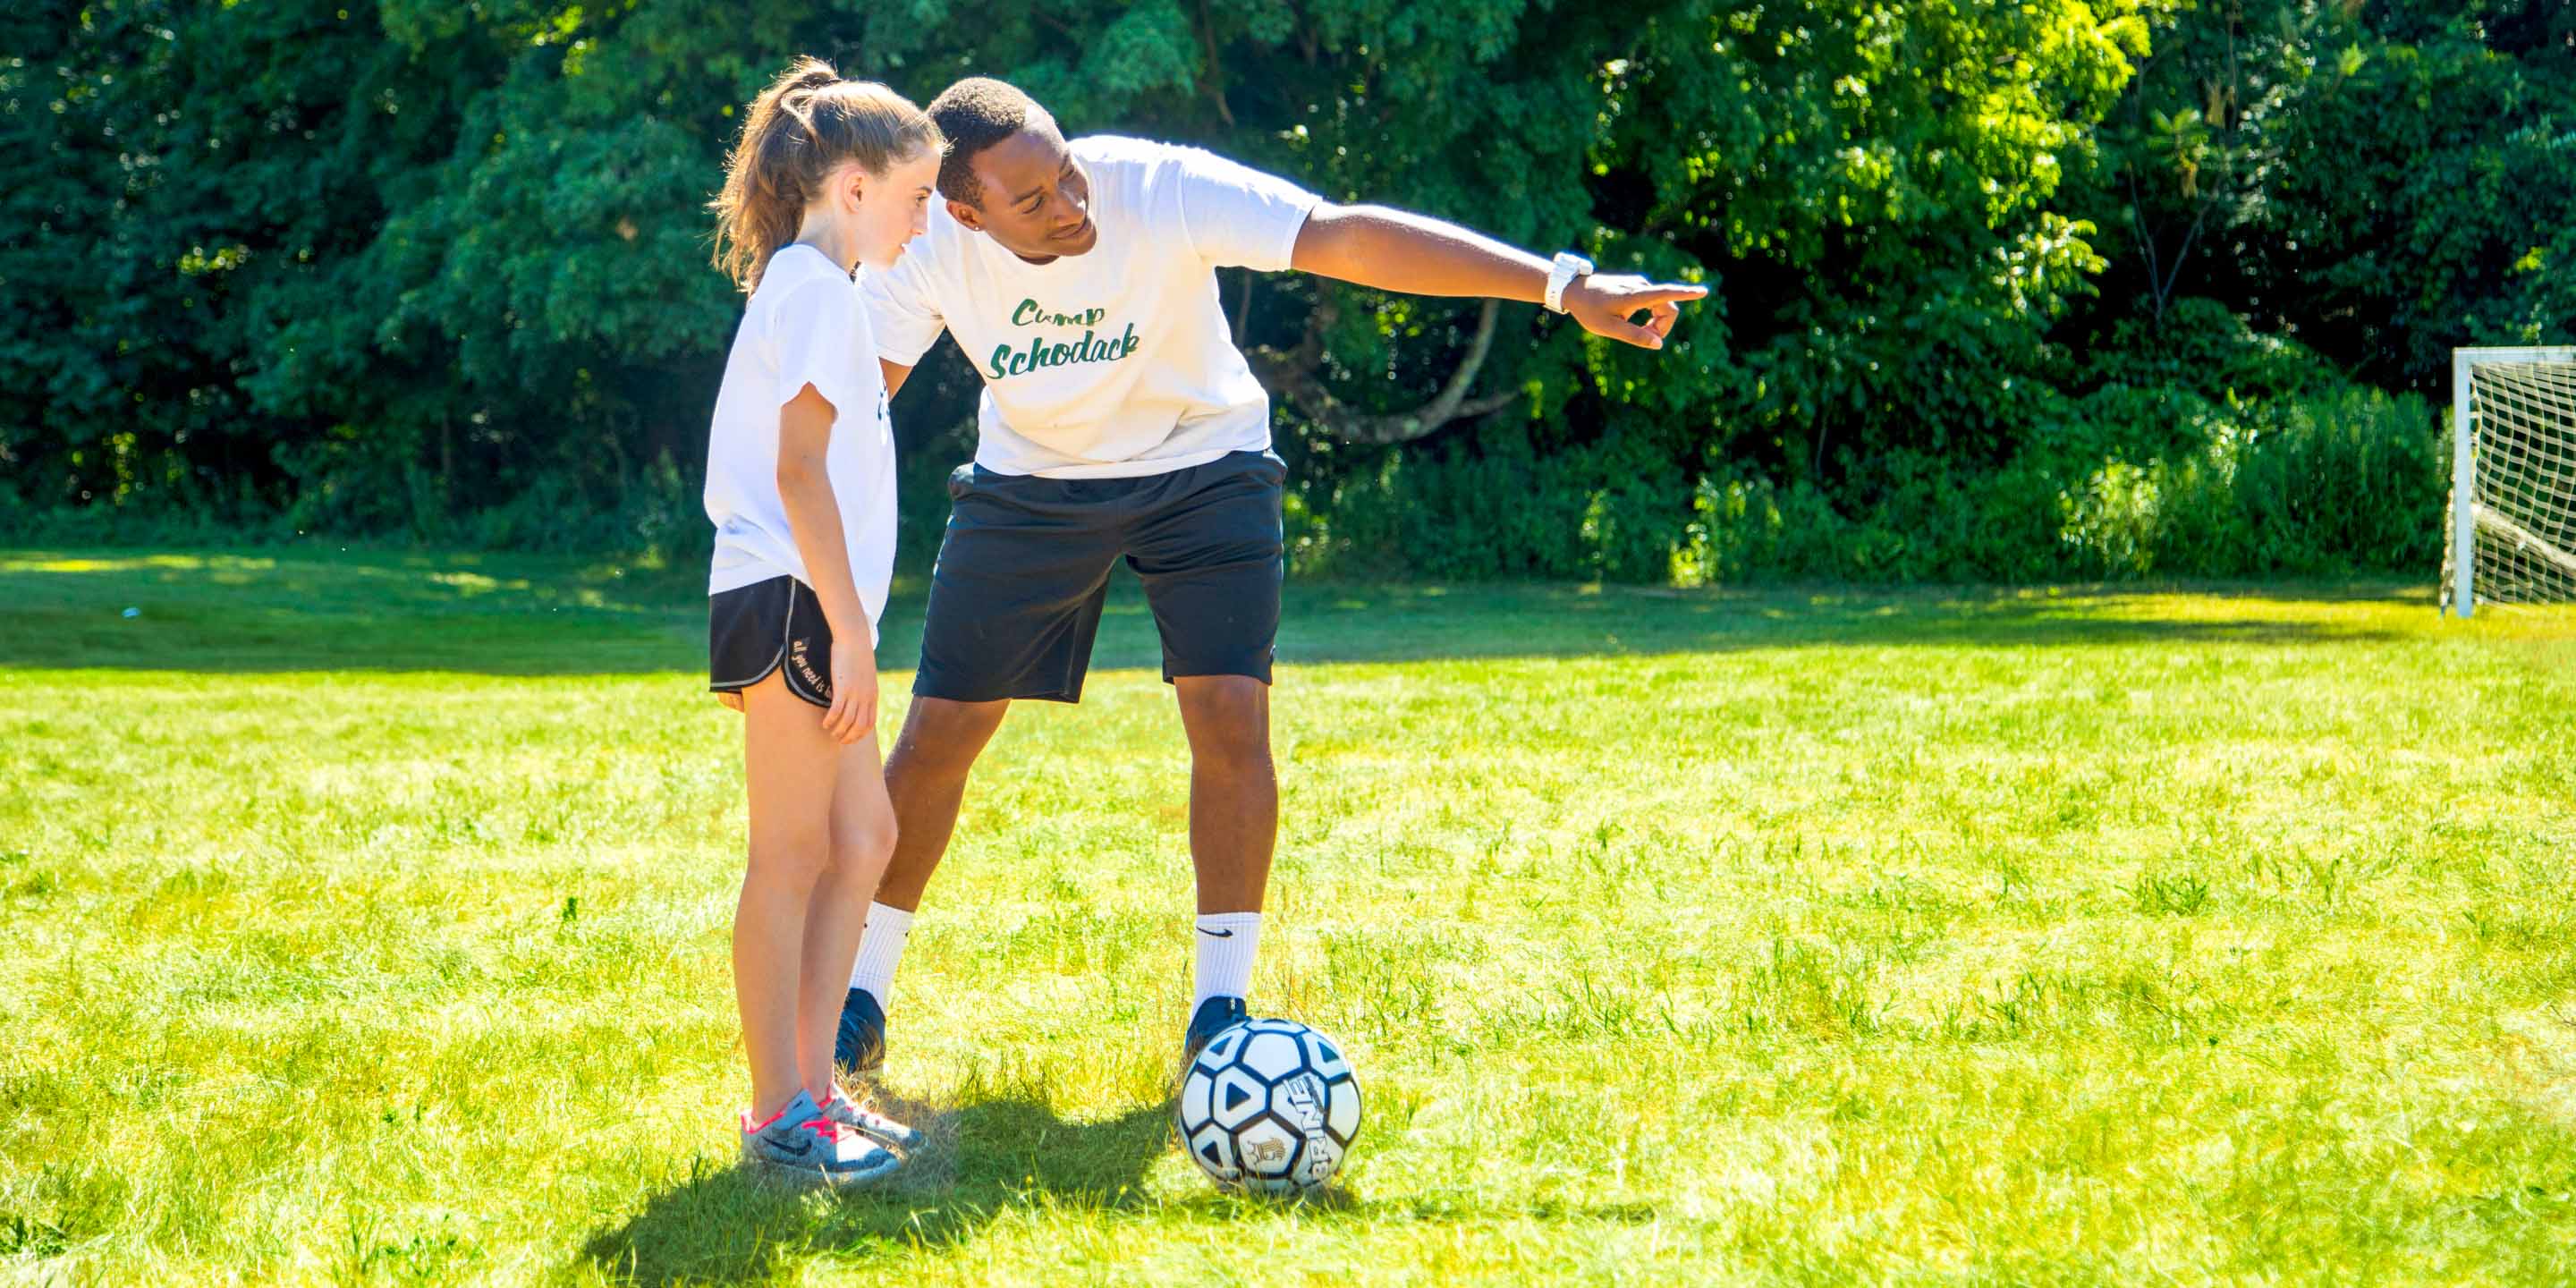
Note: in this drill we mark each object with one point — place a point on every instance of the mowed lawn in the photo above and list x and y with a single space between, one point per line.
364 918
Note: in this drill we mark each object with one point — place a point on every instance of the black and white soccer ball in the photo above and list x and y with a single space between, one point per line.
1269 1106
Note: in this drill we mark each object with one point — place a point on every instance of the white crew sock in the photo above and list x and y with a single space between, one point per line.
1227 941
880 947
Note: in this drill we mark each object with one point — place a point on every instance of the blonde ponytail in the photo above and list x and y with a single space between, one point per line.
802 128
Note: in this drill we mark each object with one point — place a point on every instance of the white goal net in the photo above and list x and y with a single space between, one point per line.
2513 478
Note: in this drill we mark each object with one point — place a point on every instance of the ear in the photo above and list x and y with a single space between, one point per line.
842 187
967 215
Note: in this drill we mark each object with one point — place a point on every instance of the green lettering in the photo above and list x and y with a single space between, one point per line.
1024 314
1042 352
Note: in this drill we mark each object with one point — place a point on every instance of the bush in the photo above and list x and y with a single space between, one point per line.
1495 508
2136 483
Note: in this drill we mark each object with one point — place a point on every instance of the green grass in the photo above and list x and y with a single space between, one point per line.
363 918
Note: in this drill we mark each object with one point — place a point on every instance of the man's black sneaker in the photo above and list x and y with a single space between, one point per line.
1215 1015
861 1046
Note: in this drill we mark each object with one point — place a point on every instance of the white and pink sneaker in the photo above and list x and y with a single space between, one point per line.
803 1145
857 1117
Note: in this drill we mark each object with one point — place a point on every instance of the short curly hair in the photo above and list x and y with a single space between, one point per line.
974 114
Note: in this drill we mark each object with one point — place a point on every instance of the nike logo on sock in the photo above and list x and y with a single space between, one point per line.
1227 933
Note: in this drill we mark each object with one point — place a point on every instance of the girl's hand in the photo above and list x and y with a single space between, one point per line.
731 699
853 714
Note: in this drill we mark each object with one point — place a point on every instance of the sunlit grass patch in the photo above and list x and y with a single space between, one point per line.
364 918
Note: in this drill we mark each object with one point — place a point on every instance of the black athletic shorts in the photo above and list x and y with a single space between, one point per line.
1024 568
756 629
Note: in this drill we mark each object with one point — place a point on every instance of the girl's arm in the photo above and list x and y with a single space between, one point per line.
814 517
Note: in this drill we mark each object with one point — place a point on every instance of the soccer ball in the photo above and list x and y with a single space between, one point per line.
1269 1106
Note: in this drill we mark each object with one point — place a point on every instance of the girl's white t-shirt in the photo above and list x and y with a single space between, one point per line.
803 325
1118 361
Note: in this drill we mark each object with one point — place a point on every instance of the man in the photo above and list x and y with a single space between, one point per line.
1118 418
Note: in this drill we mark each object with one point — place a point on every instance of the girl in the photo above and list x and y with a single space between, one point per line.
830 177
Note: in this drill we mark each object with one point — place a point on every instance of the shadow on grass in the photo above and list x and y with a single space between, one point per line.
991 1159
248 612
986 1159
258 613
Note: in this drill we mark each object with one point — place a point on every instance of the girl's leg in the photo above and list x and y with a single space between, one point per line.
862 840
791 764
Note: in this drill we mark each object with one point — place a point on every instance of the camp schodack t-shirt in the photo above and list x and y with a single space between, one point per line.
804 325
1118 361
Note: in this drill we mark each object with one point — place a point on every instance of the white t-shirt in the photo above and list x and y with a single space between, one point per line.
1118 361
803 325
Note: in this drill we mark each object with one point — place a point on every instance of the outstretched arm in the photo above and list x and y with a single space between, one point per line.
1395 250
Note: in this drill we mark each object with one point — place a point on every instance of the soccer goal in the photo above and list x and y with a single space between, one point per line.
2513 478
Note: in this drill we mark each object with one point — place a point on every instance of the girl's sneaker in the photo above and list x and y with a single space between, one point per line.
857 1117
803 1146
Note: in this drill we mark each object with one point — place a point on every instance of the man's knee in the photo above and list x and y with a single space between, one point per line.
1228 720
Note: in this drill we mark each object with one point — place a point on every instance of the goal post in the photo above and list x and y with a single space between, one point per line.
2513 478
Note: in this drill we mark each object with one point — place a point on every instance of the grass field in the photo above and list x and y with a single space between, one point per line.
364 917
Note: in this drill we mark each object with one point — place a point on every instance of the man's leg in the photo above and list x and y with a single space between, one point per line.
1014 602
1211 556
1234 826
926 779
926 776
1234 790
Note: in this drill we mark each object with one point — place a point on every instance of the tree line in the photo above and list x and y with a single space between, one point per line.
2001 289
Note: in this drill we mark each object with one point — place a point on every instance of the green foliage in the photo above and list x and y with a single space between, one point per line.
2386 180
2137 481
437 272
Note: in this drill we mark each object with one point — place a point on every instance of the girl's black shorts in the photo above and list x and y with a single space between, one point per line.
765 626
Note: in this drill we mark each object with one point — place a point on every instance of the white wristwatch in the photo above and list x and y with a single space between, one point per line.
1561 274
